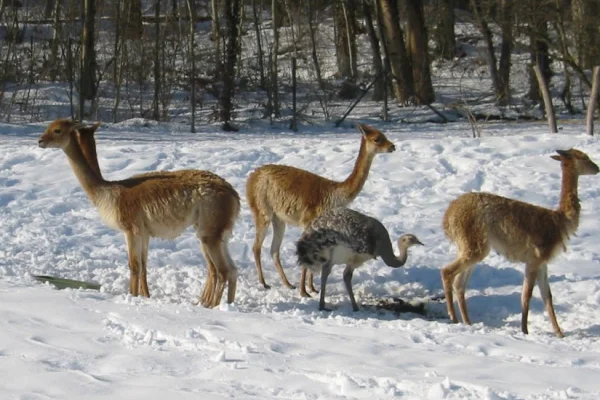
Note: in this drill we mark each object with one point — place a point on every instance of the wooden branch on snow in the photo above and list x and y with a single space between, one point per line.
589 119
547 99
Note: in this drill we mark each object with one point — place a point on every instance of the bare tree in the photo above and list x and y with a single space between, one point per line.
88 84
157 70
443 33
395 50
379 86
232 15
345 38
417 46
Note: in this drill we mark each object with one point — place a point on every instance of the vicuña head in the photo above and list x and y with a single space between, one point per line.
156 204
521 232
280 195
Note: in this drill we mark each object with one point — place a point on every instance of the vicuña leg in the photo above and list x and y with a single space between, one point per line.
209 285
542 279
278 232
262 225
134 253
464 261
232 274
460 286
143 280
531 272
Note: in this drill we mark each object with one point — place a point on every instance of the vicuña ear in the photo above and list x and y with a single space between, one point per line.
96 125
557 158
361 128
75 125
564 153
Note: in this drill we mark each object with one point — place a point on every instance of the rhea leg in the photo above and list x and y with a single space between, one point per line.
348 282
278 232
325 271
544 285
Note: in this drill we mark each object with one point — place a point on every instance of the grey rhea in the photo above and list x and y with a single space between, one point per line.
345 236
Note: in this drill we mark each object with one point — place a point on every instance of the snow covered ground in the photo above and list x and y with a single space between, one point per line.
74 344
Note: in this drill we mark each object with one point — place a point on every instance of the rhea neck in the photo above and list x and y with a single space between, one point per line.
352 186
386 252
569 200
89 180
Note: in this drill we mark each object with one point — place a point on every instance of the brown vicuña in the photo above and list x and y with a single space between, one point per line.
280 195
156 204
521 232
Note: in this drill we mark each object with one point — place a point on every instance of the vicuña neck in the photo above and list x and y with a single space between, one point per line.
86 176
569 200
87 143
351 187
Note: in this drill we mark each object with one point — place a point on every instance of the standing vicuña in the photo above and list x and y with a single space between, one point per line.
345 236
280 195
158 204
523 232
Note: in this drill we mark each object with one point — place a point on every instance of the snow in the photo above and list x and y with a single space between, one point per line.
72 344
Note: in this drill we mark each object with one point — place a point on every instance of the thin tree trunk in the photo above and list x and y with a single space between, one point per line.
313 43
547 99
157 76
232 15
503 90
487 37
444 30
87 88
274 87
589 120
193 68
259 48
379 87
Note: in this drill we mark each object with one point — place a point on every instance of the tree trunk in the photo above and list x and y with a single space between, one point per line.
444 29
503 90
260 55
416 40
192 68
396 51
487 37
593 101
345 41
379 86
157 76
547 99
587 31
133 28
87 87
538 39
232 15
274 87
313 42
